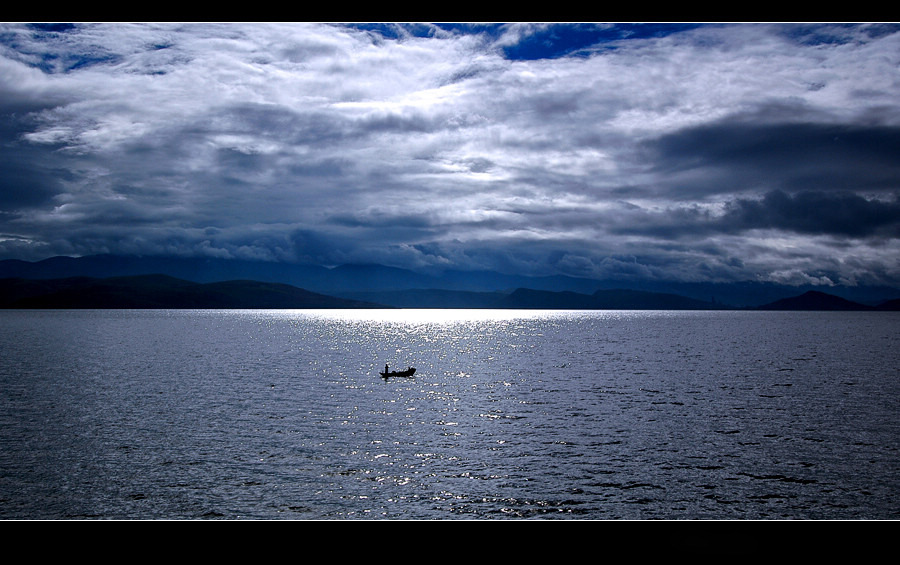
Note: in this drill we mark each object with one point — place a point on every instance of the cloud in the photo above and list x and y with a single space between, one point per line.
841 214
732 156
667 151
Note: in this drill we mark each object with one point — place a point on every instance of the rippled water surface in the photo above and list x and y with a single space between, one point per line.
244 414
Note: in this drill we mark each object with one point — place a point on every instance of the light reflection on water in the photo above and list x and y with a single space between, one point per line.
512 414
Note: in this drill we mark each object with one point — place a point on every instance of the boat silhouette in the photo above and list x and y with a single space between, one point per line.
408 373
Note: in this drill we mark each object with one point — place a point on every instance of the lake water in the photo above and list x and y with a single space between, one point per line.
246 414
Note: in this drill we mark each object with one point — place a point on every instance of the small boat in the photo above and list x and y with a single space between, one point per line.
406 374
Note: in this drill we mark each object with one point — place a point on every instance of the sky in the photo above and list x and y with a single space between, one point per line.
684 152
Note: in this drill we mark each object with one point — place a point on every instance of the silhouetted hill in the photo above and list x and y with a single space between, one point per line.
642 300
161 291
346 279
529 298
200 270
616 299
815 300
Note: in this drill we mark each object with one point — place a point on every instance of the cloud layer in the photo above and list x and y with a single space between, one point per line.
713 152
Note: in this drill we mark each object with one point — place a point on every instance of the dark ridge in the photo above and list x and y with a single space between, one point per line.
347 280
161 291
815 300
535 299
617 299
890 305
643 300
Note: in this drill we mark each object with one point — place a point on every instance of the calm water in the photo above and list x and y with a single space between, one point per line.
245 414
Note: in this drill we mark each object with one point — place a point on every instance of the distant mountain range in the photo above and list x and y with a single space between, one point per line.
161 291
189 282
814 300
615 299
527 298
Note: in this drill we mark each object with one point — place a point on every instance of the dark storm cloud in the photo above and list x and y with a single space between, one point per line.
27 182
788 156
820 213
838 214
